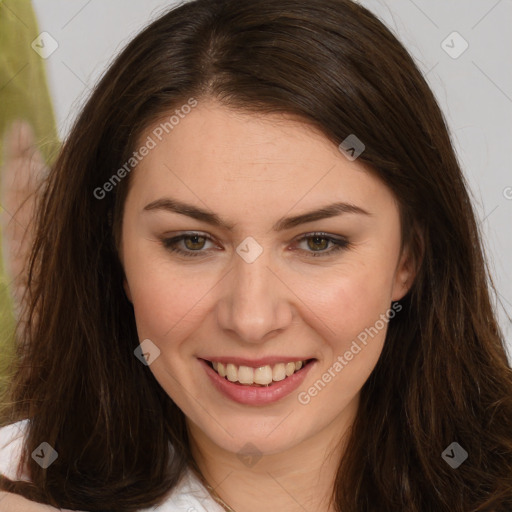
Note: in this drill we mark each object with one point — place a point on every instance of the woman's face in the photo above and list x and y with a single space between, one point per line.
271 273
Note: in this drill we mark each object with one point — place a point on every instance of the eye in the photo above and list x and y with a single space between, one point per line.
317 243
193 244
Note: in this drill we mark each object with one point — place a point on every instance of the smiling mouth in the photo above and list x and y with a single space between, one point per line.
261 376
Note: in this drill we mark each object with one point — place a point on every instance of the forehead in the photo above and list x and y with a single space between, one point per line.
217 153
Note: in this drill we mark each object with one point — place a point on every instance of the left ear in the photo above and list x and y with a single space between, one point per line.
408 266
127 290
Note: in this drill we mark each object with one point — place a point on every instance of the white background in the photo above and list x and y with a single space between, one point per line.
474 90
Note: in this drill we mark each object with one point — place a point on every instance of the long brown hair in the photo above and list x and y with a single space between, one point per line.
443 375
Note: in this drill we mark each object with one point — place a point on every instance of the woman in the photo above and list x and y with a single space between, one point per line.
257 282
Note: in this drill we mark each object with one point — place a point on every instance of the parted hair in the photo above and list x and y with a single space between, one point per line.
443 375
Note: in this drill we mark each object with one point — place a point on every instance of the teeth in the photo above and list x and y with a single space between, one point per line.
278 372
264 375
232 372
290 369
245 375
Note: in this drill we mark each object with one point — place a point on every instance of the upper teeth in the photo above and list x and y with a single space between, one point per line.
263 375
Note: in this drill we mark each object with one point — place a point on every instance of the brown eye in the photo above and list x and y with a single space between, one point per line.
318 243
188 245
195 242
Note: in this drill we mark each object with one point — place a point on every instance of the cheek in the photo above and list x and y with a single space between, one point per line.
161 303
159 297
168 303
351 302
354 311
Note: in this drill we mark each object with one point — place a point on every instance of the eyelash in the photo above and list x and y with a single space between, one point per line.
339 244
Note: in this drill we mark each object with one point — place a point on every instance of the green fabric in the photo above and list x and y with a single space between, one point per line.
23 95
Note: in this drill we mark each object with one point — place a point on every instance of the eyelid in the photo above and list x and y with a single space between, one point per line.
340 243
169 243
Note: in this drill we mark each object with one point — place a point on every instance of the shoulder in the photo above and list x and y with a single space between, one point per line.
188 496
11 445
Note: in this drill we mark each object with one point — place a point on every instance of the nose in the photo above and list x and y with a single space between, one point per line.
255 304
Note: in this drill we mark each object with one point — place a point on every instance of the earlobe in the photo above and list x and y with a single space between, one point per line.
127 290
408 267
403 281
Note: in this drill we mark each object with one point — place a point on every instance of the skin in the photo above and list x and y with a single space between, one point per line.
252 170
14 503
23 171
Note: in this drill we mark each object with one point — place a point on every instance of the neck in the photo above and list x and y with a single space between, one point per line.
300 478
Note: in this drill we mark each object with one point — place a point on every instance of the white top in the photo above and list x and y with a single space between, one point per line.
189 495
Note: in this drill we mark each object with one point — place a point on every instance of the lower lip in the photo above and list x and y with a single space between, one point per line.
256 395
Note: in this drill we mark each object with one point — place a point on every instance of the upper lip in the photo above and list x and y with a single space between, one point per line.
255 363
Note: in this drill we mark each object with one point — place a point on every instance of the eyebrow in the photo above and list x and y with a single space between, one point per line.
175 206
